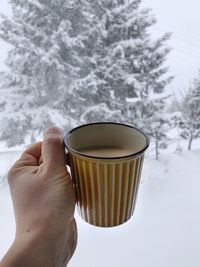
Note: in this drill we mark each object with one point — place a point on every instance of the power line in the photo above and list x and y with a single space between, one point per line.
177 49
179 38
180 30
169 24
192 56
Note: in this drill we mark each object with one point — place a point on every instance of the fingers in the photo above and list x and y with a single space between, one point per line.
30 156
51 149
53 152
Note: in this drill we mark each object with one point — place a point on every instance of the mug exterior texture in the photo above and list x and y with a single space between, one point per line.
106 188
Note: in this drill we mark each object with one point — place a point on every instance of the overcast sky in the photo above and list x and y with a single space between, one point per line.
181 17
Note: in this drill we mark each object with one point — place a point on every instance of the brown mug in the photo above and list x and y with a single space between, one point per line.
106 163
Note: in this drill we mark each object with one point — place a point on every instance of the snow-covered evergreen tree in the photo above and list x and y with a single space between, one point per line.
128 64
128 74
189 122
157 121
47 38
83 60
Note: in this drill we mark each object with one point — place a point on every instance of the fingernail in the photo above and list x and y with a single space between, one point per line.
53 130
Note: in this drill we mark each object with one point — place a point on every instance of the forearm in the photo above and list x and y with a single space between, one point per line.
30 252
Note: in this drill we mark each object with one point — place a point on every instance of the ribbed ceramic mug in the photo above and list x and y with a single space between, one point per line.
106 163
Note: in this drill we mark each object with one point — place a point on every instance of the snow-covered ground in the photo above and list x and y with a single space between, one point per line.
165 228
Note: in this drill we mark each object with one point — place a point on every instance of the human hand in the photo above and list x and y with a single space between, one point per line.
44 202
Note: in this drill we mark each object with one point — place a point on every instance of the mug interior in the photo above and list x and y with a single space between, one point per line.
106 135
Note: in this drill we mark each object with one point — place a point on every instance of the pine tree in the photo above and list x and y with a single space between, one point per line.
83 60
190 114
126 61
128 72
47 39
157 121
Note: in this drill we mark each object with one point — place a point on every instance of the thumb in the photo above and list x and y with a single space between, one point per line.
53 151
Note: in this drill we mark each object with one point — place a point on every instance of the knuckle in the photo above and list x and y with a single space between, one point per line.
47 170
24 160
52 172
25 156
10 176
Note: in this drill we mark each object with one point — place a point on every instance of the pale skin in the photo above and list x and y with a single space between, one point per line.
44 202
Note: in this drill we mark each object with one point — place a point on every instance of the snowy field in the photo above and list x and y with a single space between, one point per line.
165 228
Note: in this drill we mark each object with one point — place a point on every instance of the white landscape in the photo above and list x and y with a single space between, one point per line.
60 74
164 231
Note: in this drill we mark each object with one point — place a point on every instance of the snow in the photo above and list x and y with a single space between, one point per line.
36 3
7 226
132 99
7 159
99 112
130 43
130 79
118 49
153 96
164 230
131 21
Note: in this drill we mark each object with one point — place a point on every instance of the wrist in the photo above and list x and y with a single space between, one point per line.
33 251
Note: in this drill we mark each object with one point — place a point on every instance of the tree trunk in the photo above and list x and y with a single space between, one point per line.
157 153
190 141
